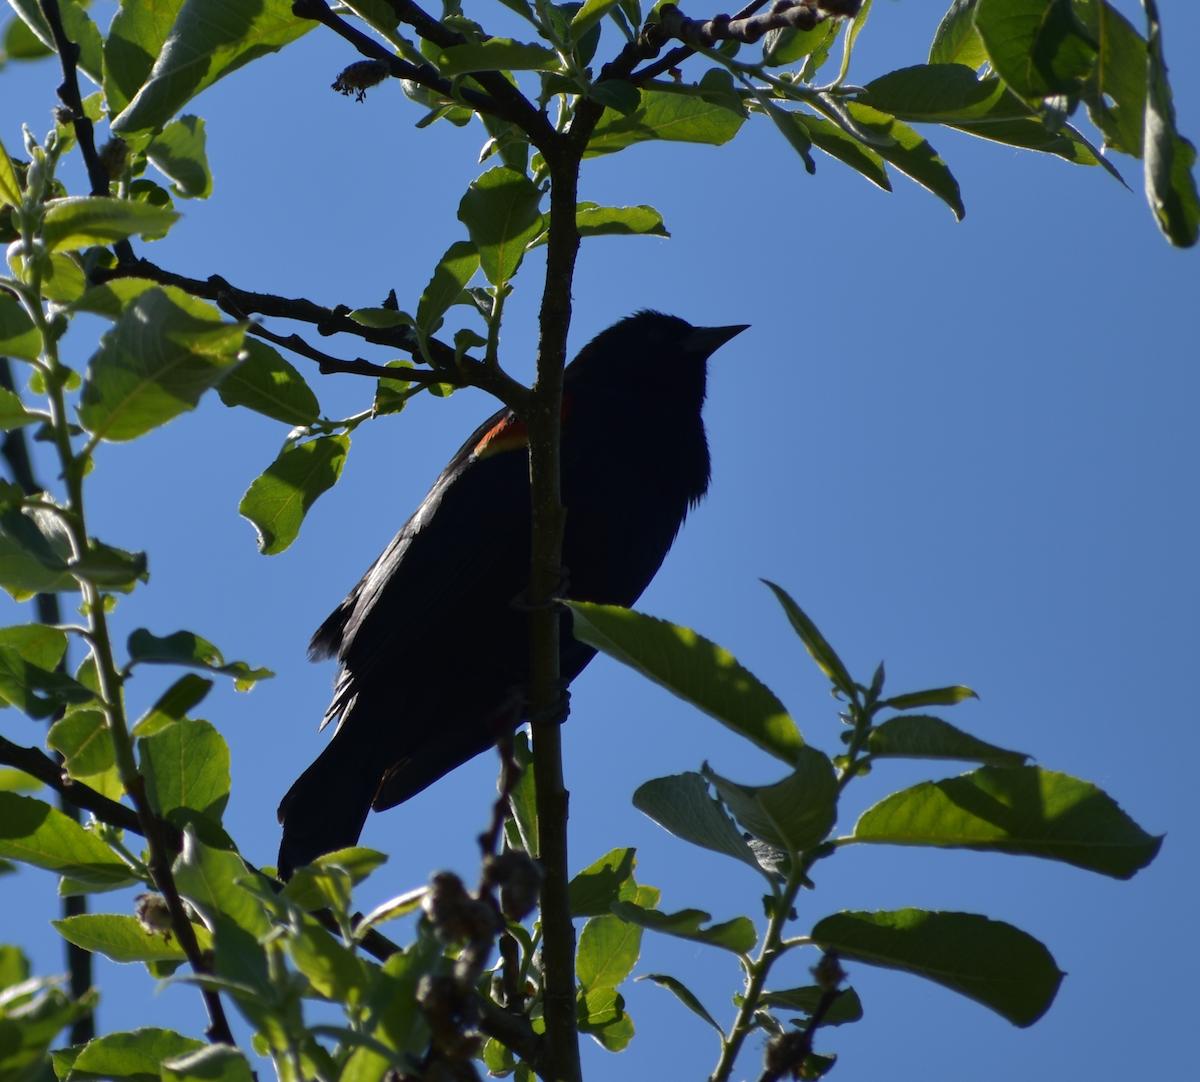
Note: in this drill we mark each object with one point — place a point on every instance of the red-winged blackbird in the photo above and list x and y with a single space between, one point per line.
433 651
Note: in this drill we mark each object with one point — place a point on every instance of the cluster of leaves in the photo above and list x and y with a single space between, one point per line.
781 830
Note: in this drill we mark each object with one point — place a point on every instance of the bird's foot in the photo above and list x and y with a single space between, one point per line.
558 712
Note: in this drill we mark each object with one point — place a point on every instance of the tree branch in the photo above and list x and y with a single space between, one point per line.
518 108
745 26
68 94
468 371
328 321
39 765
357 367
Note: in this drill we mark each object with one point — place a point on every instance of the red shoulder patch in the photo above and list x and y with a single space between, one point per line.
510 434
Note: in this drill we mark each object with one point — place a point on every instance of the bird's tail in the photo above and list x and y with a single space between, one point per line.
326 808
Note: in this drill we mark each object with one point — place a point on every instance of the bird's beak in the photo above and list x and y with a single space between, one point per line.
707 340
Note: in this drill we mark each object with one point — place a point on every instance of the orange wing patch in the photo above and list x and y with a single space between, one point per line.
510 434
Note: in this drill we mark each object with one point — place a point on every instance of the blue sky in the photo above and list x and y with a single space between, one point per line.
968 449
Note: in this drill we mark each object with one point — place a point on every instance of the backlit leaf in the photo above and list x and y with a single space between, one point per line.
695 669
989 961
277 501
1021 810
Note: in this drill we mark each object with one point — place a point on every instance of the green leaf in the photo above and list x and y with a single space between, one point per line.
334 971
123 939
84 741
589 15
788 44
794 814
17 781
1039 47
617 94
208 878
840 144
392 395
681 804
496 54
14 966
1023 810
112 298
34 833
10 187
207 40
188 691
135 1056
328 879
63 280
34 549
943 93
737 935
956 40
847 1007
39 644
21 681
522 801
989 961
1169 158
664 115
21 43
80 220
178 153
814 642
608 950
791 126
111 568
186 767
268 384
382 318
593 891
500 211
684 995
911 154
213 1063
695 669
18 336
454 270
187 648
950 696
919 736
595 221
135 38
276 502
600 1013
155 364
1116 90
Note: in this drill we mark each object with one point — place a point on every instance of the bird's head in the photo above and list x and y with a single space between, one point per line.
651 356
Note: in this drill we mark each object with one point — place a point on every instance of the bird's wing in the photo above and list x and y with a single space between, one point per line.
474 515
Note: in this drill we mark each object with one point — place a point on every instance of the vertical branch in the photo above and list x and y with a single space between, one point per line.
543 421
15 450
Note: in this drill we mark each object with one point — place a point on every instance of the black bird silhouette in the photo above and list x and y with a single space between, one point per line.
433 653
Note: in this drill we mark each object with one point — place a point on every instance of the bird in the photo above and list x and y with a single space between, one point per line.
432 644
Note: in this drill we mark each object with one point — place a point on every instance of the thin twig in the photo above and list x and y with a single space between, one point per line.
68 94
357 367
